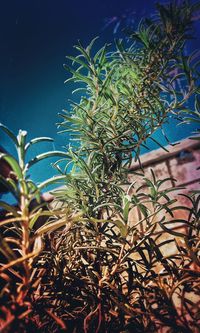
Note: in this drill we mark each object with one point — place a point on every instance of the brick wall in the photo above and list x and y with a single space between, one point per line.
181 163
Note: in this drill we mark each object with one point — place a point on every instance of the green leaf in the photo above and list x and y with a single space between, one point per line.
159 144
82 50
120 225
80 162
36 140
50 181
171 231
126 203
79 77
43 156
9 208
81 62
51 226
13 164
11 186
89 47
10 134
35 218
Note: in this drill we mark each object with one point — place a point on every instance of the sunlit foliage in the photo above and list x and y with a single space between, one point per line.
98 270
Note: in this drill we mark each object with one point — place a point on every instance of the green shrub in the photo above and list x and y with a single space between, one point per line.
99 271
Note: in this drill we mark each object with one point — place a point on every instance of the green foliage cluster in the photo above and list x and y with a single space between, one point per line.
90 268
128 94
20 241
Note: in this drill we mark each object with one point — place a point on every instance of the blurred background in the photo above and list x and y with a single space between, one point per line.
35 37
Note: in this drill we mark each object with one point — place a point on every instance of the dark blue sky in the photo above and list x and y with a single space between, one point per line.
35 37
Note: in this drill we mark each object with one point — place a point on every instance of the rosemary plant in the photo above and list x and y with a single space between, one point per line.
100 269
106 273
20 239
